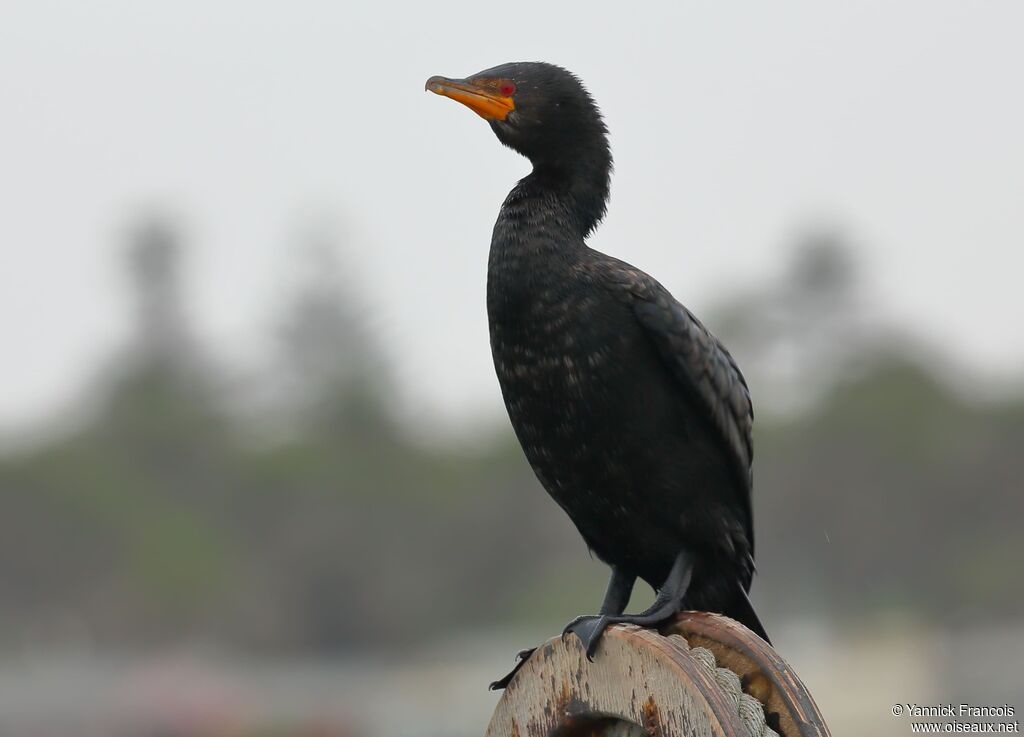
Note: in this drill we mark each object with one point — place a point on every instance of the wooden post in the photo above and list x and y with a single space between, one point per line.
704 675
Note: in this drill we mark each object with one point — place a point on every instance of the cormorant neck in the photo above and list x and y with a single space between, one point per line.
580 179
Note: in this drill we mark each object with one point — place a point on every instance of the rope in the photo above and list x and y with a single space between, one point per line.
749 709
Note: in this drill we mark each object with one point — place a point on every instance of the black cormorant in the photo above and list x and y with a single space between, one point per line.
634 417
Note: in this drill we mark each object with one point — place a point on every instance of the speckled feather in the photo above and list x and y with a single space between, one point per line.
632 415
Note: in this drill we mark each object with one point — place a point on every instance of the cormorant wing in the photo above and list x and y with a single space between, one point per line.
701 365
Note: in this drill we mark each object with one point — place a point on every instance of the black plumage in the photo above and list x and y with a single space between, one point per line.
634 417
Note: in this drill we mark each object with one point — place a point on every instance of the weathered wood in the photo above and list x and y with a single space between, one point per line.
640 683
645 684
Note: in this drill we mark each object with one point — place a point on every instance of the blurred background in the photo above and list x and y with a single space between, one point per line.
256 475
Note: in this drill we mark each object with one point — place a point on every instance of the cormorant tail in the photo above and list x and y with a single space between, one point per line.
743 612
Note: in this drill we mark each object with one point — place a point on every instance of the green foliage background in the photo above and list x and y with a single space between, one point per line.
173 511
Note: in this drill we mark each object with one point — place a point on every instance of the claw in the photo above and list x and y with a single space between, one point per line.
521 657
589 629
576 622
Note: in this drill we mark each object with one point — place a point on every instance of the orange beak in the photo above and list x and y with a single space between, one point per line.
479 95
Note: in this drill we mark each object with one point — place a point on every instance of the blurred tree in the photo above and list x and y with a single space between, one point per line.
127 547
154 267
796 336
161 386
335 375
312 491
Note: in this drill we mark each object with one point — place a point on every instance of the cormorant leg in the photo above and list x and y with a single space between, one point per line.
616 597
620 588
589 628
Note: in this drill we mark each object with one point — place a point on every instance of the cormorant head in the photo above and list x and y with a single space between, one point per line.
540 110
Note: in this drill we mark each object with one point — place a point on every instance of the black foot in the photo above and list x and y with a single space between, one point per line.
589 628
521 657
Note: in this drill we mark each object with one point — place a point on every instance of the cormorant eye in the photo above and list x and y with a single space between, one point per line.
507 88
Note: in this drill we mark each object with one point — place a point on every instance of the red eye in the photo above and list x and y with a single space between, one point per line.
507 89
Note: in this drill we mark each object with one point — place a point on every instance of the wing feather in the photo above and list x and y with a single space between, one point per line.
701 365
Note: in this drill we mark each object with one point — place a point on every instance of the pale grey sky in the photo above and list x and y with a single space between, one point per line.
733 125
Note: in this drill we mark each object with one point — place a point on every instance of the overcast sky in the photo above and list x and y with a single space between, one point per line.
733 125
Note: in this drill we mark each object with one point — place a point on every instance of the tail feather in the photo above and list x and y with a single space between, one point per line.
743 612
